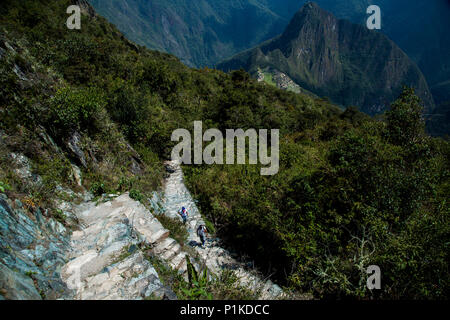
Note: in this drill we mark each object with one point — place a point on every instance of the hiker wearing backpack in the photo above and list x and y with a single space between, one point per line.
184 214
201 232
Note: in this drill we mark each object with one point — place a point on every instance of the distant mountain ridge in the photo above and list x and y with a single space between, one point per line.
205 32
200 32
344 61
421 29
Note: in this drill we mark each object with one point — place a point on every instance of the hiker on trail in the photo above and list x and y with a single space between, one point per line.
201 232
184 214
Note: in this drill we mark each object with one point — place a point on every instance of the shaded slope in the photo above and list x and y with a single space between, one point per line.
200 32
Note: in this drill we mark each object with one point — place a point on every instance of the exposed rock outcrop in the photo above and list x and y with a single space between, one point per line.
32 251
108 260
74 145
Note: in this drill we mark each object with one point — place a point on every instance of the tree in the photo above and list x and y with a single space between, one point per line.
405 125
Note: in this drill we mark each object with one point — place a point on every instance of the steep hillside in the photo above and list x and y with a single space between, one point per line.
199 32
216 24
420 28
86 119
207 32
334 58
86 115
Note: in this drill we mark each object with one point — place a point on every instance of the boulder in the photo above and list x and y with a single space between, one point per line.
74 145
16 286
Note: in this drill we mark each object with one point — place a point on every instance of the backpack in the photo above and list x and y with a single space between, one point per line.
200 229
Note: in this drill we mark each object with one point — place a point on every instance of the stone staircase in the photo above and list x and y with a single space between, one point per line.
107 260
106 257
216 258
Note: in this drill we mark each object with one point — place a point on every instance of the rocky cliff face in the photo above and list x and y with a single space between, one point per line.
420 28
346 62
32 251
103 258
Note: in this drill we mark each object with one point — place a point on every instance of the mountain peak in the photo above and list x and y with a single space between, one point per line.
335 58
310 16
310 6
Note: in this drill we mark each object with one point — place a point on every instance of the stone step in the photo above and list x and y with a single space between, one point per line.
164 245
176 195
151 230
98 213
177 262
171 253
96 272
92 262
182 268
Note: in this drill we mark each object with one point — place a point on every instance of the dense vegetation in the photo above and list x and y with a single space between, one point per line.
95 82
215 32
351 191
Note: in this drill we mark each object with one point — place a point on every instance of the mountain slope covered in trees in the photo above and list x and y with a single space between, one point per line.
200 33
350 192
406 22
209 31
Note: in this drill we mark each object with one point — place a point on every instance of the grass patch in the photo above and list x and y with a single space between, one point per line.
4 187
168 276
59 216
126 252
136 195
228 287
224 287
177 230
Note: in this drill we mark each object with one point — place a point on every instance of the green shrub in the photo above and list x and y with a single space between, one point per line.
225 286
4 187
74 109
209 226
59 216
228 287
54 171
177 229
124 184
404 119
198 284
136 195
97 188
